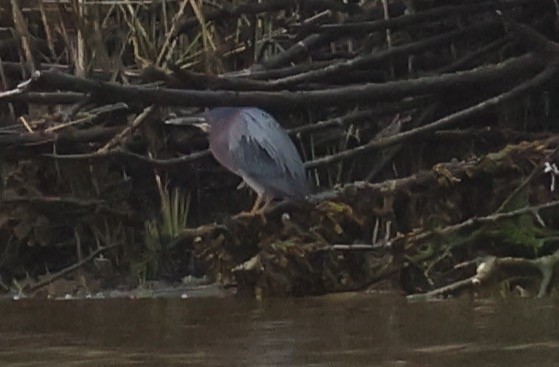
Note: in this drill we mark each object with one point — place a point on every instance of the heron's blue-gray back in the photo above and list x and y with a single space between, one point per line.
259 148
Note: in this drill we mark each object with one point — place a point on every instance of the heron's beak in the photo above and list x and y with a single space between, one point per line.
194 121
204 126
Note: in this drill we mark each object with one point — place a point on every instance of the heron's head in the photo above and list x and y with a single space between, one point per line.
205 126
219 117
198 121
215 118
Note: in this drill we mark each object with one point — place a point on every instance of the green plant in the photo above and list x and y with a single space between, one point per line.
160 232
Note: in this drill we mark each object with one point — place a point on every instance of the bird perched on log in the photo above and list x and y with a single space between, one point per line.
250 143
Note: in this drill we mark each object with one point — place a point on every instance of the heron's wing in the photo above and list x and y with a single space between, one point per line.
264 151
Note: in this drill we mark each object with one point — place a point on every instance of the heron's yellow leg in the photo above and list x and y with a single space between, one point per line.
265 206
257 210
256 204
261 211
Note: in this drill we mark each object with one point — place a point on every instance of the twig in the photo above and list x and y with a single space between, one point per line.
227 11
71 136
394 128
536 41
343 247
410 19
21 88
484 272
388 54
47 98
23 34
47 30
25 124
311 41
120 137
416 237
169 43
476 56
47 200
490 265
69 269
556 5
537 169
277 73
119 153
357 115
488 132
204 81
91 116
543 77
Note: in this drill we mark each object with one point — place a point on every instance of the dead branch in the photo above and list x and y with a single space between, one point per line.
314 40
94 134
514 68
119 153
490 266
21 88
533 39
342 68
47 98
356 116
484 272
90 116
422 236
120 137
474 57
418 17
23 34
69 269
49 200
226 11
202 81
538 168
457 117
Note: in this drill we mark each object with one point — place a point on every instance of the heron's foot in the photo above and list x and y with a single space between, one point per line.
257 210
252 214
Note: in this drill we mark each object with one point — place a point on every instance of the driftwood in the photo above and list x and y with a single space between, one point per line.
481 78
310 257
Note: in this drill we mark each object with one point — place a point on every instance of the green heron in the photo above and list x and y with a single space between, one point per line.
250 143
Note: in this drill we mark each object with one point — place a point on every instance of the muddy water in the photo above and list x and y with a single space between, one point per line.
343 330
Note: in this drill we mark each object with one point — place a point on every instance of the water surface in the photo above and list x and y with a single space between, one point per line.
341 330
